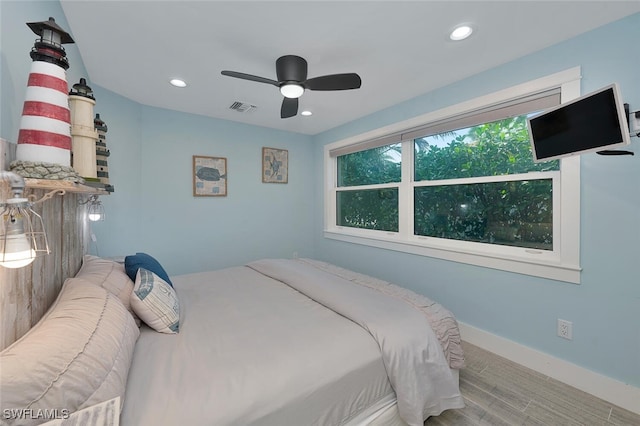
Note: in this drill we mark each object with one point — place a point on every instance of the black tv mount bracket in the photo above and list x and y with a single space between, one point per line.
622 152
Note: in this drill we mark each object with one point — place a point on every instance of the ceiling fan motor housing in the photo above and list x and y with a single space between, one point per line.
291 69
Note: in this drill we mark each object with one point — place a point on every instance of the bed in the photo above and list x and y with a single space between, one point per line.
272 342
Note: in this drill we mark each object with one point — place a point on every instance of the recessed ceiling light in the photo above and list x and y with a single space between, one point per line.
461 32
178 83
306 113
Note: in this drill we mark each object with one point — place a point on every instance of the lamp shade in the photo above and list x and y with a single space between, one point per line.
22 235
16 251
95 212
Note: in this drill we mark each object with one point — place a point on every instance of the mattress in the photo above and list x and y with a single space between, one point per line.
253 351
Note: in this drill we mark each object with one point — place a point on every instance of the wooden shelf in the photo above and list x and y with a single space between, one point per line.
68 186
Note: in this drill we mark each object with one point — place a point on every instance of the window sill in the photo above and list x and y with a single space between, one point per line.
543 269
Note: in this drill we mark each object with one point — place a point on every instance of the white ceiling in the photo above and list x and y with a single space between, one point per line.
400 49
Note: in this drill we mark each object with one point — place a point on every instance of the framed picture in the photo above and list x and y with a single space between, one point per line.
275 165
209 176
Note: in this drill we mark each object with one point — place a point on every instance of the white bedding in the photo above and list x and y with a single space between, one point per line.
247 354
442 321
254 351
413 357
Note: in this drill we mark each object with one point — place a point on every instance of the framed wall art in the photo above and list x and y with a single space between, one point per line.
275 165
209 176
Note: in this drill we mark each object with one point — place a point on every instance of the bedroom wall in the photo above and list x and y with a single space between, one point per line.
190 234
605 307
152 208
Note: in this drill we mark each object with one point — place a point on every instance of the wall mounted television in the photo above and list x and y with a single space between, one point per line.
593 122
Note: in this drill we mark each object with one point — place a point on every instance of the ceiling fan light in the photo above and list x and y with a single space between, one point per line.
291 90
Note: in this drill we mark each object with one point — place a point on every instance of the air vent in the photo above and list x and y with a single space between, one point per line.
242 106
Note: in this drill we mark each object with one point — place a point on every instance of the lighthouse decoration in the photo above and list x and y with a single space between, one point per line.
45 136
102 153
83 132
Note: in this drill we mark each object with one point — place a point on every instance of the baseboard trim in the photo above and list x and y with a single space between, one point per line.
603 387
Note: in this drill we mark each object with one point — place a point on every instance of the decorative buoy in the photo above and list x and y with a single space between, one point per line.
44 134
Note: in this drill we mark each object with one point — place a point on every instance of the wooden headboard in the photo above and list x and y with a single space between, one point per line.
27 293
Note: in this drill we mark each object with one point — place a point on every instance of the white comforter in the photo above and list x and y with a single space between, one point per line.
253 350
412 355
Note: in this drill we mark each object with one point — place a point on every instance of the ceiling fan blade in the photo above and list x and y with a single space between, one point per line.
289 107
334 82
249 77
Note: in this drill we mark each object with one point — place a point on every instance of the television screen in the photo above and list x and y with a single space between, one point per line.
593 122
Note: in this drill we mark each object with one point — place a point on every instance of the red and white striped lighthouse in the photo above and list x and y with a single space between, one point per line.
45 127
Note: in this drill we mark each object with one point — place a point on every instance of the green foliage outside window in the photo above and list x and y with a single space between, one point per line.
371 166
492 149
510 212
516 213
369 209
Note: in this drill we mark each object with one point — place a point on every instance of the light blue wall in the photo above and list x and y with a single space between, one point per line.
152 208
189 233
605 308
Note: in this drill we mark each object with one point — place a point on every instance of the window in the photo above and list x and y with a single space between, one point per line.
473 184
462 186
376 173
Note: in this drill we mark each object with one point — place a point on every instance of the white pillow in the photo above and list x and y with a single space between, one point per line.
76 356
155 302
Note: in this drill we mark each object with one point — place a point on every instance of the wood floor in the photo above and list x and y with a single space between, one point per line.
500 392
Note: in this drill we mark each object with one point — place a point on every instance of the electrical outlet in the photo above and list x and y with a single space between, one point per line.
565 329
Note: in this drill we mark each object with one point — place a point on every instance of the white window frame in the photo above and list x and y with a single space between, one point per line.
562 264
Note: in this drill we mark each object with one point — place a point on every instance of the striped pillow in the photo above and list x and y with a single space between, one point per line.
155 302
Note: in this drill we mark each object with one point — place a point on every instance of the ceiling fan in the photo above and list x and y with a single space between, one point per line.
292 81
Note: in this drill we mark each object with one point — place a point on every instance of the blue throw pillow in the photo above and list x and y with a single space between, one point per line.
142 260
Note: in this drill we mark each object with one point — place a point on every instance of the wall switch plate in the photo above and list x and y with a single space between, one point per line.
565 329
